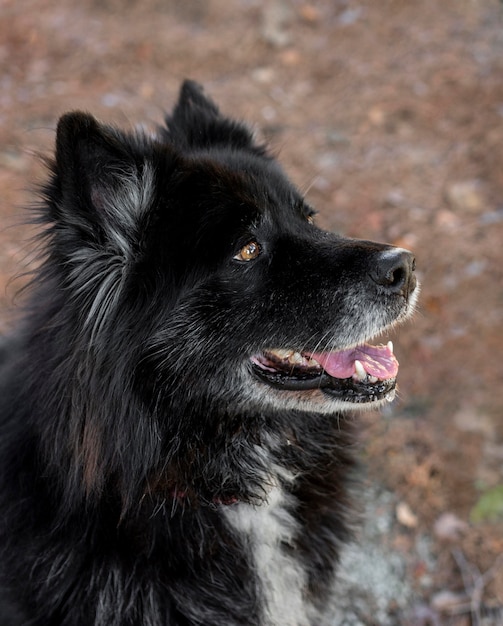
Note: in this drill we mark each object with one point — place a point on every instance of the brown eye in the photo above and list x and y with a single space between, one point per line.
248 252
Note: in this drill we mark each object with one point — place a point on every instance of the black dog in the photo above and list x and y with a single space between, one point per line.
173 450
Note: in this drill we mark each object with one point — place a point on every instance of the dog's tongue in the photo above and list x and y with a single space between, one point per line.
377 361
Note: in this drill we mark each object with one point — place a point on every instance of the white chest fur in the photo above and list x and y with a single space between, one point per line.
266 530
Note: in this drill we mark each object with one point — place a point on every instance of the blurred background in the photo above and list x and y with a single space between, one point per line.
389 115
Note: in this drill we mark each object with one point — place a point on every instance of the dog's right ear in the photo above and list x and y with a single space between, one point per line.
196 123
104 179
99 207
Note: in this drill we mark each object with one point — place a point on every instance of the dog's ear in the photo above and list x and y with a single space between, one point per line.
104 180
196 123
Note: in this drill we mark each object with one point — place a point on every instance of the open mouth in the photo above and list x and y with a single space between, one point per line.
365 373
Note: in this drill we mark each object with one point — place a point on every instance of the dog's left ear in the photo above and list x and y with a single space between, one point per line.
196 123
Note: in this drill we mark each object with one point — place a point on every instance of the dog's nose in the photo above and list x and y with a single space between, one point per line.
394 270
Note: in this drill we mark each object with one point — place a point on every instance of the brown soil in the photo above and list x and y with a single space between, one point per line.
390 115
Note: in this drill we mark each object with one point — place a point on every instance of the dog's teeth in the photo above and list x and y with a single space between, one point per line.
311 362
297 359
390 346
360 372
294 358
372 379
304 361
283 354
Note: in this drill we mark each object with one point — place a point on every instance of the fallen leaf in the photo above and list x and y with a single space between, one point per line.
489 508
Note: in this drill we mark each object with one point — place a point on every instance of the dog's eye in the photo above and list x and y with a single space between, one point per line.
248 252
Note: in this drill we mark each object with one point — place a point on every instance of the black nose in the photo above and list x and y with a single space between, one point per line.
394 270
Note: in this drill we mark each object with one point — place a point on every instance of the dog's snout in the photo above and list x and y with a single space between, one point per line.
394 270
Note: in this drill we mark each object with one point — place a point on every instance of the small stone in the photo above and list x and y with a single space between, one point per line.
309 13
409 241
276 16
394 198
376 116
13 160
449 527
470 420
263 75
291 57
336 137
146 90
492 217
350 16
466 196
446 220
450 602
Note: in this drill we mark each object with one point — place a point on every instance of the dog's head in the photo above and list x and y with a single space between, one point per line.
194 272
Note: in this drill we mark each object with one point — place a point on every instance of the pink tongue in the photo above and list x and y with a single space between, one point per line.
377 361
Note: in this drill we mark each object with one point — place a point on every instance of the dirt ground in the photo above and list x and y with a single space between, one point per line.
390 116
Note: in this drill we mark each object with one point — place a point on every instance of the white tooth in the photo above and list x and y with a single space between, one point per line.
390 396
390 346
360 371
373 379
282 354
296 358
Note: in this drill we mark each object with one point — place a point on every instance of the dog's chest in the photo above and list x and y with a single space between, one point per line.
268 532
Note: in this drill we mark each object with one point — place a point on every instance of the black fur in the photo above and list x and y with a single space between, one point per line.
136 437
